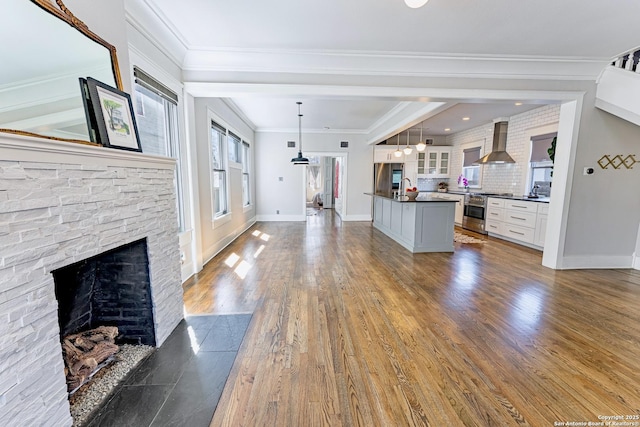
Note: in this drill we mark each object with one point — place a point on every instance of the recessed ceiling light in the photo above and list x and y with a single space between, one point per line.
447 129
465 118
518 103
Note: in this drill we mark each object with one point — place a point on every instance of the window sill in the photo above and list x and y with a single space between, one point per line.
221 220
247 208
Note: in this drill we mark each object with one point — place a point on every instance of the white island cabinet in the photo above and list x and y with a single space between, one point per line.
424 225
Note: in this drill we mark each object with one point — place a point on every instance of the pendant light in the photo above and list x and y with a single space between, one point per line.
421 145
398 153
300 160
407 150
414 4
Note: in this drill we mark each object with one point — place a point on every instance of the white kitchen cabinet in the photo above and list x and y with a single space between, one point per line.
421 162
438 162
541 225
518 221
387 155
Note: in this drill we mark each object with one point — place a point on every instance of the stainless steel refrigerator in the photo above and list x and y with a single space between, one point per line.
387 177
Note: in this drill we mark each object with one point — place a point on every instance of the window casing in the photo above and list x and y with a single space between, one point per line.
220 204
540 165
246 167
469 170
235 143
157 121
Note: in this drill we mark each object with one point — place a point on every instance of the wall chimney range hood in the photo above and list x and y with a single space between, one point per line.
499 149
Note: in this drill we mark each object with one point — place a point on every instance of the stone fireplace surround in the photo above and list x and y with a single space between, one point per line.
61 203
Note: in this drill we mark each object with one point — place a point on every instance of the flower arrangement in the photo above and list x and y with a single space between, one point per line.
464 181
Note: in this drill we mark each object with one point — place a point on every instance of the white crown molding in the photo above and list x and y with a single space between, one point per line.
232 105
146 21
395 110
391 64
401 122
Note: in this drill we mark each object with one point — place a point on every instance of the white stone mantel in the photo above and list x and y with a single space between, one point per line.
60 203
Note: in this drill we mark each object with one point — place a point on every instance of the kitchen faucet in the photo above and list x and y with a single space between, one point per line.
403 188
534 190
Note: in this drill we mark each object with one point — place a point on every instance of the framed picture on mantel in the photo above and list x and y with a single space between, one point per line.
113 115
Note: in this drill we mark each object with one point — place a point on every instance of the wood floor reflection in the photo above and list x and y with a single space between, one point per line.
350 329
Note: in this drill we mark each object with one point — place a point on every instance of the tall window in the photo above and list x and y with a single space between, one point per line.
234 148
218 170
157 120
469 170
541 166
246 164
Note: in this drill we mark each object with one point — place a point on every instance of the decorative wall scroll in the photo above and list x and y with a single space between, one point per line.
618 161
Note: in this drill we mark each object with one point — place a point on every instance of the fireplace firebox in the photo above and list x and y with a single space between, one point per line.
109 289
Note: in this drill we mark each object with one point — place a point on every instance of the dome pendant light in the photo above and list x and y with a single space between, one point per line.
414 4
421 145
407 150
398 153
300 160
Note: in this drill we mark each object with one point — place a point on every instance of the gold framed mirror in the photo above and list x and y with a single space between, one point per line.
45 50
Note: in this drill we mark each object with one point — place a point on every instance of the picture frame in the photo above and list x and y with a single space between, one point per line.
113 122
92 124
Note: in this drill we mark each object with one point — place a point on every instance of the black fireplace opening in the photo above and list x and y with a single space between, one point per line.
109 289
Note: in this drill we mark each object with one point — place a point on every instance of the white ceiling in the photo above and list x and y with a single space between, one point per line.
542 31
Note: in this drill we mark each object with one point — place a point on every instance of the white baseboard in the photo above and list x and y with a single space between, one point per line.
636 261
596 261
214 250
357 218
275 218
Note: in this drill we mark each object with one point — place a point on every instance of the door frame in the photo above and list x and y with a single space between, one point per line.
343 179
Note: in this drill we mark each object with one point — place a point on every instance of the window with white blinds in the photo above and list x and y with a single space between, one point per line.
220 202
156 110
469 170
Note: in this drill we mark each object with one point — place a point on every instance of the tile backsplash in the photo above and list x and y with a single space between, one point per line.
502 178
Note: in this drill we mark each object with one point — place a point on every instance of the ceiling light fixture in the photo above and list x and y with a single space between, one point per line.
414 4
300 160
518 104
447 129
398 153
466 119
407 150
421 145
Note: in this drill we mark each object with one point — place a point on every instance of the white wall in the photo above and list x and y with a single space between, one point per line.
286 195
212 236
604 210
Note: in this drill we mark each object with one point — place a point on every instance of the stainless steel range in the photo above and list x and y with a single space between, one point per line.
475 207
475 210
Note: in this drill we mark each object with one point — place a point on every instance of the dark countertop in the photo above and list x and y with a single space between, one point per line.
540 199
423 197
525 198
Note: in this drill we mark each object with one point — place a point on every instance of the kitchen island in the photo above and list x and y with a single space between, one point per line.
423 225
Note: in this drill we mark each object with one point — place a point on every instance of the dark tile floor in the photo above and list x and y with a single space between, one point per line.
181 382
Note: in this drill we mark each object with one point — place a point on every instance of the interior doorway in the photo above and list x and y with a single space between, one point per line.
325 181
318 185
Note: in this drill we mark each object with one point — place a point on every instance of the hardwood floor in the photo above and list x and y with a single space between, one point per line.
351 329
